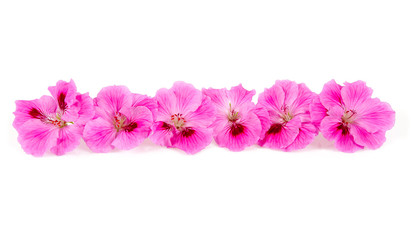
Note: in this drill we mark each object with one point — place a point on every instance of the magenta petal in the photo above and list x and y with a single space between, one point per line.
240 97
317 111
330 96
203 116
219 97
36 109
369 140
272 99
86 108
145 101
99 134
301 104
354 94
283 137
345 143
306 135
36 137
290 89
110 100
240 135
192 140
68 139
140 119
166 102
188 98
162 133
64 93
264 118
374 115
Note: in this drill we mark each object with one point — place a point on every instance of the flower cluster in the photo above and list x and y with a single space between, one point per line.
288 116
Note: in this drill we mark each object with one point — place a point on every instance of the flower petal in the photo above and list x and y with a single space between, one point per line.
263 116
68 139
139 120
166 102
192 140
346 143
86 108
272 99
162 133
317 111
203 116
188 98
240 135
330 96
301 104
354 94
364 138
36 109
290 89
37 137
145 101
374 115
64 93
99 134
110 100
306 135
239 97
219 98
283 136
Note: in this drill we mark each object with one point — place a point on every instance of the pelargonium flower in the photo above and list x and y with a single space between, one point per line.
183 118
288 125
350 117
54 122
123 120
236 125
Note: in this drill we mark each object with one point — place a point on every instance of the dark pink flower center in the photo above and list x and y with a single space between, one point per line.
344 129
178 121
61 101
187 132
236 129
275 128
56 121
35 113
121 123
349 116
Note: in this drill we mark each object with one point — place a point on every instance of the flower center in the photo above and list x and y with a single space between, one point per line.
122 123
178 121
232 115
287 115
349 116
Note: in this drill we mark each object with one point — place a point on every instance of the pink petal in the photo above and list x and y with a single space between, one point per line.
354 94
192 140
290 89
330 96
203 116
244 133
166 102
162 133
345 143
64 93
145 101
219 98
283 138
364 138
306 135
374 115
110 100
141 119
86 108
264 118
36 109
301 104
272 99
188 98
37 137
240 97
68 139
99 134
317 111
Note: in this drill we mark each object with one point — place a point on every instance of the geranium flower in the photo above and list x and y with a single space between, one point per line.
183 118
236 125
122 120
288 126
350 117
53 123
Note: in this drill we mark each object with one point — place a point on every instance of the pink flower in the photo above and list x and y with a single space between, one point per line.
350 117
288 125
123 120
53 123
183 118
236 125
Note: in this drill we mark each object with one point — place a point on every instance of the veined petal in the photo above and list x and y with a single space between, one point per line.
99 135
301 104
330 96
86 108
272 99
290 89
374 115
237 136
203 116
162 133
306 135
110 100
36 109
317 111
166 102
354 94
192 140
346 143
239 97
264 118
281 136
37 137
188 98
68 139
219 97
364 138
64 93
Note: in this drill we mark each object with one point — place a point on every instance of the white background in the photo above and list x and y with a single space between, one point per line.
156 193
